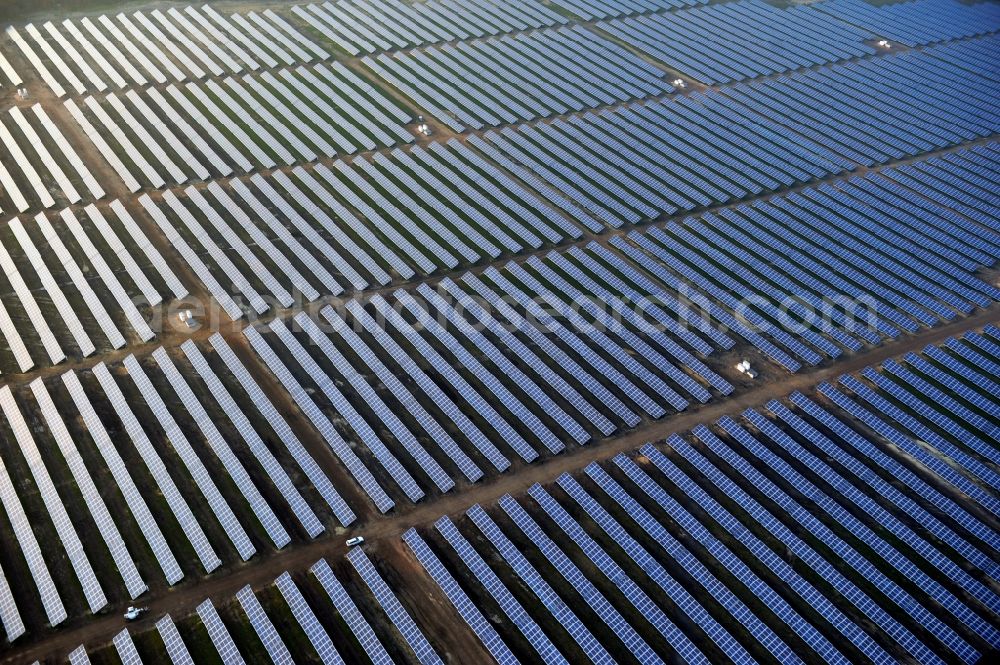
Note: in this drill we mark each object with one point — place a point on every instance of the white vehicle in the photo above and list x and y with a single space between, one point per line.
133 613
357 540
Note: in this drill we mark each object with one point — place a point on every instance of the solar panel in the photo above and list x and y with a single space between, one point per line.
501 594
440 163
214 31
185 155
322 424
616 280
841 548
80 282
290 136
859 529
69 191
145 245
36 62
178 440
145 139
506 367
673 547
309 110
233 466
262 625
552 602
371 399
337 109
568 335
55 611
62 305
113 460
392 607
868 450
460 600
307 620
176 649
586 304
14 341
192 259
151 46
78 656
275 473
190 46
629 589
393 212
220 258
897 414
917 402
959 387
133 153
437 433
102 146
279 292
346 216
240 37
521 351
92 497
760 631
108 276
13 626
546 345
349 413
119 58
443 368
178 506
26 167
126 648
372 240
523 381
54 505
9 71
214 48
316 477
219 634
586 589
119 38
970 370
30 307
348 611
428 386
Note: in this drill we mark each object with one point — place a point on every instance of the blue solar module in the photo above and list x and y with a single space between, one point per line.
724 555
897 437
463 604
551 601
870 452
501 594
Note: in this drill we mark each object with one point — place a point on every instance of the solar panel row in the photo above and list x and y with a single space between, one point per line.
825 471
29 176
521 77
369 27
741 40
916 22
299 115
131 50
